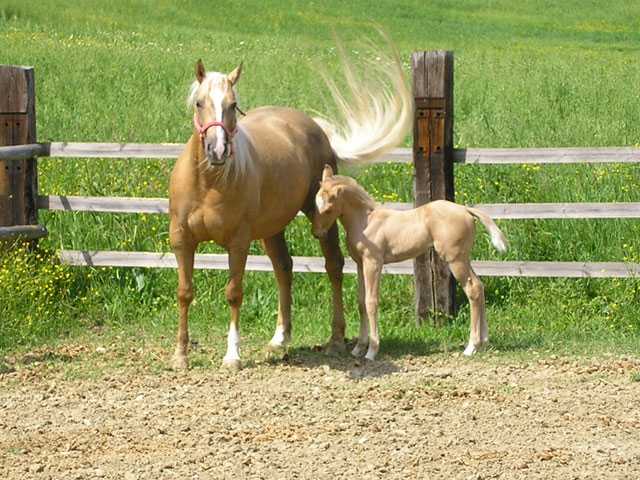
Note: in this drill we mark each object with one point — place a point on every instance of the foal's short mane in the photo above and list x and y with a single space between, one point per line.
354 190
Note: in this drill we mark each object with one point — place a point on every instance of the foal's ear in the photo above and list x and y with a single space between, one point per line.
336 192
327 172
234 76
200 71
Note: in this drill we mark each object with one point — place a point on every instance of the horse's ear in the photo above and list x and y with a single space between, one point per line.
200 71
234 76
327 172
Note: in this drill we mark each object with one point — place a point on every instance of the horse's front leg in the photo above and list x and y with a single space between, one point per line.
237 261
363 338
184 252
372 271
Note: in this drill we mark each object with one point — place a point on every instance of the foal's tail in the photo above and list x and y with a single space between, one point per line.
375 113
497 237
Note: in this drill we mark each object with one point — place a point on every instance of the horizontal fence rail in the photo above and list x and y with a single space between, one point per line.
316 265
479 156
506 156
495 210
161 150
23 152
103 204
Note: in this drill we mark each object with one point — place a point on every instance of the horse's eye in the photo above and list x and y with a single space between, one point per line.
233 105
199 104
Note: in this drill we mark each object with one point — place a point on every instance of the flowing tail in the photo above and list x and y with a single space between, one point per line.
374 114
498 239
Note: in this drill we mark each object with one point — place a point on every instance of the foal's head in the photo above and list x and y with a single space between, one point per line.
328 203
213 98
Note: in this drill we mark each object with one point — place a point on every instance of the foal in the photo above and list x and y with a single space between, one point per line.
376 236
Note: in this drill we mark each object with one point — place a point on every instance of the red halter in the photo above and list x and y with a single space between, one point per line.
202 129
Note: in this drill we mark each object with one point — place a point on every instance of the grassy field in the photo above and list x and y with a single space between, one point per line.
527 74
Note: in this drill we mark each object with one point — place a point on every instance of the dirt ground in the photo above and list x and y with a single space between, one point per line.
317 417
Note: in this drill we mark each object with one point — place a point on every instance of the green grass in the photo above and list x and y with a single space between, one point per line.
527 74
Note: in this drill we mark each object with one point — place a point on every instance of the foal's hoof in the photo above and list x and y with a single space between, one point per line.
359 350
179 362
335 347
232 364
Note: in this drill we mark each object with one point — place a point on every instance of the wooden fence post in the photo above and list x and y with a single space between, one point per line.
18 178
433 166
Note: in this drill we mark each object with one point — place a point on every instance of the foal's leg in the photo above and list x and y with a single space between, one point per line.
372 271
334 263
237 262
474 290
184 256
363 338
276 248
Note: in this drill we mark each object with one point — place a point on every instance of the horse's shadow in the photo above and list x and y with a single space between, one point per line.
315 358
395 349
353 368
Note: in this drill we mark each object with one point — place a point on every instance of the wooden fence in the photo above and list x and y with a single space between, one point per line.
432 155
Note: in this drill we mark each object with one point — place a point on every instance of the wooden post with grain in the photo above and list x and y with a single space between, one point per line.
18 177
433 166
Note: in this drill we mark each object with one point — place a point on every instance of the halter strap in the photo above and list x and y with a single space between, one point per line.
202 129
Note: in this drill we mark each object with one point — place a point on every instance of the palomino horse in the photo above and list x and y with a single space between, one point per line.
376 236
239 181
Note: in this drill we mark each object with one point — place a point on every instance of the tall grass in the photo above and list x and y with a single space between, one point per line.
526 74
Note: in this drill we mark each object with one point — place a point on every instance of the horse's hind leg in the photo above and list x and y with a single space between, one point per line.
276 249
474 290
334 263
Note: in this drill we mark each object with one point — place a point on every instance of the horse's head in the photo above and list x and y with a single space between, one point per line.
213 98
328 203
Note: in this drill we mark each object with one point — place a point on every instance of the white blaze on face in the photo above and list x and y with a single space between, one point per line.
217 94
319 201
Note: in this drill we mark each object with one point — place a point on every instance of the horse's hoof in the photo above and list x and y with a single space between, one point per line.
232 364
276 348
335 347
359 350
370 356
179 362
470 350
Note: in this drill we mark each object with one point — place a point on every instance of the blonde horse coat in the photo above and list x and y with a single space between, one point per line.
376 236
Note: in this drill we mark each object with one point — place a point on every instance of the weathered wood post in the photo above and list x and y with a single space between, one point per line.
18 176
433 166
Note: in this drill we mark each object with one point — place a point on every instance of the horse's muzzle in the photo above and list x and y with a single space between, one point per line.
212 156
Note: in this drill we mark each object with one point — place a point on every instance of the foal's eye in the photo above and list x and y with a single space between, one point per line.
199 104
